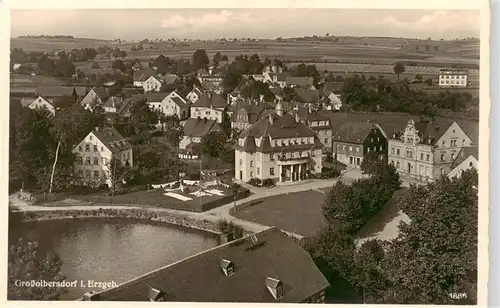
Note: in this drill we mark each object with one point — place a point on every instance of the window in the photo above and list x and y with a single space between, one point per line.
80 148
343 147
421 156
104 161
443 143
251 174
271 156
350 148
79 160
380 148
90 138
207 112
442 156
251 163
241 162
453 143
471 164
392 151
453 156
350 160
397 165
102 149
357 149
258 171
368 149
87 161
397 152
95 148
271 171
96 161
300 154
87 148
428 157
87 173
378 139
96 174
326 140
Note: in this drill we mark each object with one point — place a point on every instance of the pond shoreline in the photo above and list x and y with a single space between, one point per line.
202 225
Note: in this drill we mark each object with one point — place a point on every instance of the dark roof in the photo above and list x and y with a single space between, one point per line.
332 86
282 127
102 93
112 139
283 76
254 110
200 278
170 78
306 96
179 101
210 100
197 91
200 127
300 81
353 132
276 91
121 105
464 153
155 96
144 74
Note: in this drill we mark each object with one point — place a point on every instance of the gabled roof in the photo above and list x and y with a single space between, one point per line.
155 97
353 132
197 91
199 278
255 111
112 139
465 153
144 74
306 96
179 102
300 81
200 127
281 127
210 100
121 104
102 93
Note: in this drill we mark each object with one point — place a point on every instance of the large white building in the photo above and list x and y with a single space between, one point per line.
278 147
95 153
453 78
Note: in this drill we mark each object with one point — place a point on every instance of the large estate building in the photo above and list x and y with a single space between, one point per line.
428 151
265 267
278 147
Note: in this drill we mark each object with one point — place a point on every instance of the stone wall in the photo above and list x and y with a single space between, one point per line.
143 214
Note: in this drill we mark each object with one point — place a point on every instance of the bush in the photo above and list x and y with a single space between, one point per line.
267 183
331 174
255 182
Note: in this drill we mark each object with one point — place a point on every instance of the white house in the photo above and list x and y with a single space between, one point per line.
148 79
335 101
453 78
152 84
194 95
466 159
95 97
95 153
168 104
40 102
209 106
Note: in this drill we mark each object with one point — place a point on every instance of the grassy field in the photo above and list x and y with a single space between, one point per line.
300 212
379 50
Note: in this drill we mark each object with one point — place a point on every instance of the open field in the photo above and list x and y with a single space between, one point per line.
346 49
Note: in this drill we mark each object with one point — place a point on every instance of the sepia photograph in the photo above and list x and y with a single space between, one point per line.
246 155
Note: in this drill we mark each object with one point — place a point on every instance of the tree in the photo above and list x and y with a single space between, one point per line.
28 263
200 59
64 67
419 78
173 130
224 58
118 172
118 65
142 119
442 236
428 81
213 144
216 59
398 68
226 124
47 66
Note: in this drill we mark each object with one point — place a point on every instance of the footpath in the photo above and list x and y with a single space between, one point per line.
222 212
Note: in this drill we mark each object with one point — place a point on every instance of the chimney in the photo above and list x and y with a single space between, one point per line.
156 295
227 267
394 136
91 296
271 119
194 87
297 119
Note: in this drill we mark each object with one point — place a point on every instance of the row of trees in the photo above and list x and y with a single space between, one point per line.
434 255
362 94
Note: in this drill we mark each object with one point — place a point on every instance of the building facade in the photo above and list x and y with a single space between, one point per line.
42 103
354 140
95 153
278 147
453 78
194 95
194 130
467 158
247 113
95 97
429 152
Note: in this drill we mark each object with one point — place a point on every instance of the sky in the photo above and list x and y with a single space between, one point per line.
137 24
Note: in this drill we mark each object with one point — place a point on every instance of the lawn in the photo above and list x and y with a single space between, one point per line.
299 213
156 198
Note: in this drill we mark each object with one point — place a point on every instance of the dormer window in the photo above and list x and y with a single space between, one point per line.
275 287
156 295
227 267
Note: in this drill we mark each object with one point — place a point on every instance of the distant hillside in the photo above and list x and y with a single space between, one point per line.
45 44
46 37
